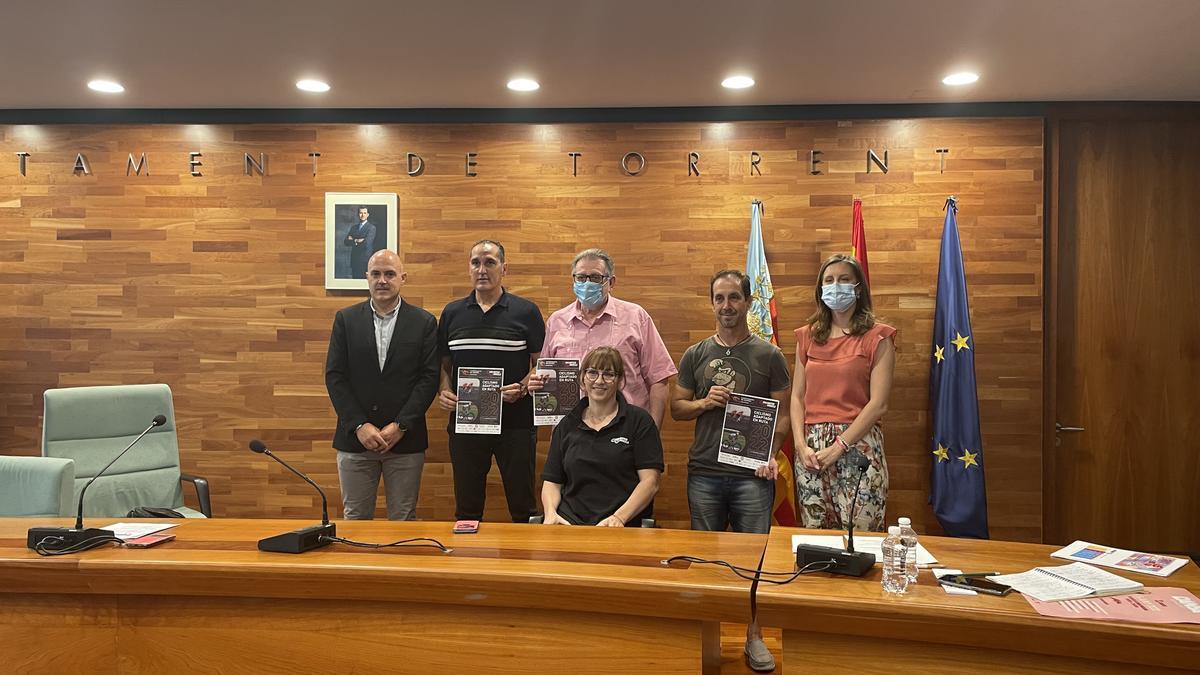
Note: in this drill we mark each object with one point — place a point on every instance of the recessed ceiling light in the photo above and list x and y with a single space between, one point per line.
738 82
523 84
106 86
315 86
959 79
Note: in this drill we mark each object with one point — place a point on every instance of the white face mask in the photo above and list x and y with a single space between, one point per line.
838 297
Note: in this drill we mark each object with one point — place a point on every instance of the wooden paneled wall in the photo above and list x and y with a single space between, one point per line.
214 284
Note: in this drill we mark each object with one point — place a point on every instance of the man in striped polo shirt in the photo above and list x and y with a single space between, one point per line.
492 328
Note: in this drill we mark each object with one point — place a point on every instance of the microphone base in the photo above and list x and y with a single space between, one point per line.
844 562
298 541
61 538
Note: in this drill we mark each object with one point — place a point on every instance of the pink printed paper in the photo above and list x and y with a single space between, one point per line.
1155 605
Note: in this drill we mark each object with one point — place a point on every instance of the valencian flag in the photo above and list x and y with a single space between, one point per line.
956 486
763 320
858 241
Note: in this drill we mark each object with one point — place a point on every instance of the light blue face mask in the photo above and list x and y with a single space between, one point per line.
589 293
838 297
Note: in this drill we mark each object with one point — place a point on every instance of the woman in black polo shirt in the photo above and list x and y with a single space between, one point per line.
605 456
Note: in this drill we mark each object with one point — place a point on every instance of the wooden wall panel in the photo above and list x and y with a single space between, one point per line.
214 284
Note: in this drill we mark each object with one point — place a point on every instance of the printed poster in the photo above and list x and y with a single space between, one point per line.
560 391
749 431
479 401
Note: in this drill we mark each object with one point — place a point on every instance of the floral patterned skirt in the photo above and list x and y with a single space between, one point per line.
823 500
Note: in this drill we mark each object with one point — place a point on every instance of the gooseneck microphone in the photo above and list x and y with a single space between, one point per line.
861 463
78 538
158 421
847 562
304 539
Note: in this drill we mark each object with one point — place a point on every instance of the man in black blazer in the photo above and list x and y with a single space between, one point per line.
382 373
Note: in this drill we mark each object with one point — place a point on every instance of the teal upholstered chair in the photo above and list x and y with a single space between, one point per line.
36 486
91 425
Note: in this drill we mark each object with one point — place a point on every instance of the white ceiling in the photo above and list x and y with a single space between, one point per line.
616 53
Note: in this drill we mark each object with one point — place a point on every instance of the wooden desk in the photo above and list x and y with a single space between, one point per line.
512 598
841 624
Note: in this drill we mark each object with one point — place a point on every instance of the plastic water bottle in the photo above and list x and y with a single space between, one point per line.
909 536
894 579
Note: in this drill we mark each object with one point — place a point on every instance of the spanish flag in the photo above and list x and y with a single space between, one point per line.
858 241
763 320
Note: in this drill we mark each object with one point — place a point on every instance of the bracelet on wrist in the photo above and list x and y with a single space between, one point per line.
842 442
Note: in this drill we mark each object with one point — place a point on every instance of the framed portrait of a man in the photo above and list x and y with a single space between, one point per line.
357 224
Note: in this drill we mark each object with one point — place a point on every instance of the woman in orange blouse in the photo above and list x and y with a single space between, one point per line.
844 366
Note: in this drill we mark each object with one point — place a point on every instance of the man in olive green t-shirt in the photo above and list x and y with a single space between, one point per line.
731 361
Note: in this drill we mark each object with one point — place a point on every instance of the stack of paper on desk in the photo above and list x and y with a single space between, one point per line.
1156 605
875 545
1119 558
127 531
1068 582
862 544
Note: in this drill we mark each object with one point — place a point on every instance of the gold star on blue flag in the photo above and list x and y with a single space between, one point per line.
960 342
956 488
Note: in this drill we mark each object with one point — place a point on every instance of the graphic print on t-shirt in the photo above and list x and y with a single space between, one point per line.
726 371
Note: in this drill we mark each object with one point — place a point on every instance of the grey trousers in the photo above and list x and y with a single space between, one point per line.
359 472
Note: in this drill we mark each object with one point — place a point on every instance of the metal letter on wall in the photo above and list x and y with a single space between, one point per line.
314 156
249 165
81 164
755 158
813 162
574 162
625 163
693 157
872 157
21 161
193 162
419 168
471 163
136 168
942 152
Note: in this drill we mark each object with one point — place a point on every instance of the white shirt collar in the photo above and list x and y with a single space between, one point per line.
399 301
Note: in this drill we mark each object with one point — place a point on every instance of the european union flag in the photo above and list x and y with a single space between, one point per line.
956 486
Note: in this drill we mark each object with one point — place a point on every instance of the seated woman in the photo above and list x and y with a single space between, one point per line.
605 456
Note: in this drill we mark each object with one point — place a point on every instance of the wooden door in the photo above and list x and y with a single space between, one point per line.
1125 318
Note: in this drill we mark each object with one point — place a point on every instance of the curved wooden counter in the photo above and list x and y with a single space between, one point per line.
506 599
840 624
518 598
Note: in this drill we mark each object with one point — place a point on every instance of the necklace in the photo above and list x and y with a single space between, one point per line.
598 420
729 348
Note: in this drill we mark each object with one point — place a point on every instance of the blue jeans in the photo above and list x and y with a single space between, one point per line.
742 503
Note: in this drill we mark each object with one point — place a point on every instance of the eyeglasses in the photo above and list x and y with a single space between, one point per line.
594 278
591 374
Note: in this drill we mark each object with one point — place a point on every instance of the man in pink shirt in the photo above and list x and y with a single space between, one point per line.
596 319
